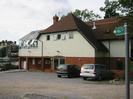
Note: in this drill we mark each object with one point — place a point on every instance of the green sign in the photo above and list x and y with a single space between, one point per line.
119 31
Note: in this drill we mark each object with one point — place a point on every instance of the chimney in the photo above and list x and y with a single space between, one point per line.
94 26
55 19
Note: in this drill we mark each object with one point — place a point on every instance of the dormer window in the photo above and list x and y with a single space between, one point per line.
63 37
70 35
58 36
48 37
54 37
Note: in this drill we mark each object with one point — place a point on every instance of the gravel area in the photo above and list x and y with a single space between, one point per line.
40 85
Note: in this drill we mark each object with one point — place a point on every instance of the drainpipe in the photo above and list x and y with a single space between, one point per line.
109 56
42 63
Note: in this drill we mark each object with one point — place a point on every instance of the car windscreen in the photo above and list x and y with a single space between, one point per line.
88 66
62 66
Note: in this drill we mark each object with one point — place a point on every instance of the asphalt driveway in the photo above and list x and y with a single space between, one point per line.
40 85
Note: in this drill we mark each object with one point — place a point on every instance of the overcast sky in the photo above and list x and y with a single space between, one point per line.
19 17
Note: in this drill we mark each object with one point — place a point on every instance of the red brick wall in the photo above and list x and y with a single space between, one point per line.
111 62
115 60
36 66
79 60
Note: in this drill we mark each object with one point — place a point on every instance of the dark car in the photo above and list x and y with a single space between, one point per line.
68 70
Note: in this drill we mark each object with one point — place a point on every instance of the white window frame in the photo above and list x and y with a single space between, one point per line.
63 37
71 35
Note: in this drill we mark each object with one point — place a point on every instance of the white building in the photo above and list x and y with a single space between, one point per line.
72 41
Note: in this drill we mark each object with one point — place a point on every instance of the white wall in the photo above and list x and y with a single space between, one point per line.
76 47
31 51
117 48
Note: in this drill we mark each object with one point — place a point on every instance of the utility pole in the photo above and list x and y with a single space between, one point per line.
127 79
119 31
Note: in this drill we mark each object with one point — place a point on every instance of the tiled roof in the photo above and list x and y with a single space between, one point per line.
65 24
105 27
70 23
31 35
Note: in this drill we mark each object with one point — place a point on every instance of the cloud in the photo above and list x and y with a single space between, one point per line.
19 17
93 5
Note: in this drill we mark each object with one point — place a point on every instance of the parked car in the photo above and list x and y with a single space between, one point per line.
68 70
95 71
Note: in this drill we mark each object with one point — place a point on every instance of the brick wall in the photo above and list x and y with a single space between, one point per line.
36 66
80 60
112 63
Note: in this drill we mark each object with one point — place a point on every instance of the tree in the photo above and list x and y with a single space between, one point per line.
3 52
120 8
110 8
126 7
85 15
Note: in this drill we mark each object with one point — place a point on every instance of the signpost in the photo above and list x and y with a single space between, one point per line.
118 32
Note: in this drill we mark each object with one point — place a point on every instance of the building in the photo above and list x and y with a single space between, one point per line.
73 41
8 52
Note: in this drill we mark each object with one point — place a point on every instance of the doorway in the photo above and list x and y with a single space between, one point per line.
57 61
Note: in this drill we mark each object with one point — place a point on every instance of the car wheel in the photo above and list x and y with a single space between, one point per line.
84 78
59 76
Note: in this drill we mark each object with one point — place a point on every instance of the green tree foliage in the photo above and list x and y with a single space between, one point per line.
85 15
110 8
3 52
126 7
120 8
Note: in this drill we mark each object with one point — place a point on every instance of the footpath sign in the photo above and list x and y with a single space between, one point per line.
119 31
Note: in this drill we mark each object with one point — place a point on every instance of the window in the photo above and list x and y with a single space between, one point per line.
101 67
54 37
88 66
35 44
70 35
119 64
33 61
47 62
63 36
48 37
58 36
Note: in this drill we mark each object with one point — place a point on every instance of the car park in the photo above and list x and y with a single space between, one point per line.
95 71
68 70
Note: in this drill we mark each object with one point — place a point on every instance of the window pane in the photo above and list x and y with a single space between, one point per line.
70 35
48 37
62 61
58 36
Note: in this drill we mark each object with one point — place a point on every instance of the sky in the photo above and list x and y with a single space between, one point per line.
20 17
